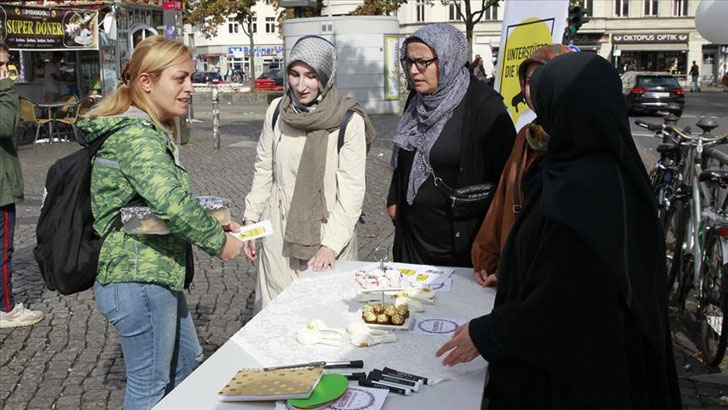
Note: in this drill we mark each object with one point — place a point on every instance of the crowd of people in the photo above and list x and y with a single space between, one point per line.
558 216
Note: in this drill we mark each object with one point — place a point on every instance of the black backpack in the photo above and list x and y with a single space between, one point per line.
67 249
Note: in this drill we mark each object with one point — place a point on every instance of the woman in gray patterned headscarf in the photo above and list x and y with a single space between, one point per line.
310 188
454 127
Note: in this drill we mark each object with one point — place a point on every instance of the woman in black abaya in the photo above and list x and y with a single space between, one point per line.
580 317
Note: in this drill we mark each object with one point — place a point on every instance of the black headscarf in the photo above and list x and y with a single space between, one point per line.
595 183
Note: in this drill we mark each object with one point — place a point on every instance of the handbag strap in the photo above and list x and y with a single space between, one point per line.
517 182
440 183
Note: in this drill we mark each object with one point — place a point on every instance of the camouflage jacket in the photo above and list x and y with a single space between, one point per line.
140 163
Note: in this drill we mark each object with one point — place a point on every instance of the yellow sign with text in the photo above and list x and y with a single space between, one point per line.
522 40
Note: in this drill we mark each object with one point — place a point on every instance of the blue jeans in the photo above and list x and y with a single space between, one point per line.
7 229
157 337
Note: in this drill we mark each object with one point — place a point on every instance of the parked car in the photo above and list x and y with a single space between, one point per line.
207 77
651 92
271 79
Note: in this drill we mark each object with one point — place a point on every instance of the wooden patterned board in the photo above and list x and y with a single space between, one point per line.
257 384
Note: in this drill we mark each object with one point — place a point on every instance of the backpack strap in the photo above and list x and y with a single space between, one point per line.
342 129
276 113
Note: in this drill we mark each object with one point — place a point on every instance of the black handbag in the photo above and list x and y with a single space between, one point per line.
467 202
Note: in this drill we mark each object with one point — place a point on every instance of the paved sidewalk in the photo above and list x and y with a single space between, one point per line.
72 359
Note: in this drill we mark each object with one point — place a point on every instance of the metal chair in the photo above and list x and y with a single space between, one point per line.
73 113
28 110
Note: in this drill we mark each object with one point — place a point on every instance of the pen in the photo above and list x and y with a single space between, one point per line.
398 390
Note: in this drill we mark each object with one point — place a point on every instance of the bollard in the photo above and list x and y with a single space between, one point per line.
216 117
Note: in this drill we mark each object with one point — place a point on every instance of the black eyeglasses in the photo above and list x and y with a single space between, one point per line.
419 63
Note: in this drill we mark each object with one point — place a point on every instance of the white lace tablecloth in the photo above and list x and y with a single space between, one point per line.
270 337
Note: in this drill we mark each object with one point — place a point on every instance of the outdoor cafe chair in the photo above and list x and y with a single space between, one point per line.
73 113
28 115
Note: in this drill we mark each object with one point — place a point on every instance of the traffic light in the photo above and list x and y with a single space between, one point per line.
577 17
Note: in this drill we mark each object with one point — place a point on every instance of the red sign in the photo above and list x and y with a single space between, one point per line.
173 5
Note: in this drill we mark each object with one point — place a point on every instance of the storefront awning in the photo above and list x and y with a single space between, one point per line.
652 47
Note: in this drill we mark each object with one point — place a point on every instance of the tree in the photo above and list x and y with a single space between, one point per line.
209 14
288 13
377 7
470 16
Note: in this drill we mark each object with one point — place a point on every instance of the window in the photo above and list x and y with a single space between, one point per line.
680 8
232 26
491 13
420 8
270 25
621 8
651 7
587 6
454 16
255 24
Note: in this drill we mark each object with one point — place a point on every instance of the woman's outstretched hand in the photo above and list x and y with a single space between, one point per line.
461 347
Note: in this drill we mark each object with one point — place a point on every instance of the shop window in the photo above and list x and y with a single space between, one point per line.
680 8
453 11
270 25
621 8
420 9
491 13
651 8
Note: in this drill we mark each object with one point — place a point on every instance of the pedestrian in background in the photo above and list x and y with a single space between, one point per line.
311 189
508 198
53 80
477 69
580 315
455 128
11 193
141 278
695 74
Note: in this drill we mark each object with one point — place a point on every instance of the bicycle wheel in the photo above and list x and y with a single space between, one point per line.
675 229
713 329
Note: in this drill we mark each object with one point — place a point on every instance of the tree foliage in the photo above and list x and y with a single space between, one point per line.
208 15
470 16
377 7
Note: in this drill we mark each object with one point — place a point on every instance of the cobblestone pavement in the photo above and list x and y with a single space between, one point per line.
72 358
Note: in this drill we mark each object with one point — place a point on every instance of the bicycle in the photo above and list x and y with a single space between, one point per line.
701 232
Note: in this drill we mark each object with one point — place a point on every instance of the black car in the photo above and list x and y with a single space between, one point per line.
651 92
275 74
206 77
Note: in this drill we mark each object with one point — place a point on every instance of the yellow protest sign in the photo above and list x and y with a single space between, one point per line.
527 25
522 40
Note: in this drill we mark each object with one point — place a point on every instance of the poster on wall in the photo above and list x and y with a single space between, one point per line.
30 28
527 25
391 67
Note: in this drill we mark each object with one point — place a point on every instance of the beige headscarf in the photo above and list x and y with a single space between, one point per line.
308 205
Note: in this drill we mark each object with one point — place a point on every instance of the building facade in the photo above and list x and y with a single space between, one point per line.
656 35
230 51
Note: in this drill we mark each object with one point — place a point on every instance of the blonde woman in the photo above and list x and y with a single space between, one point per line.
310 188
141 277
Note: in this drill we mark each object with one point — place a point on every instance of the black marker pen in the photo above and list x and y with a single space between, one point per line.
376 385
377 376
403 375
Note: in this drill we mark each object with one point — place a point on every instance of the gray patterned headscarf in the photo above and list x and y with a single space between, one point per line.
319 54
427 114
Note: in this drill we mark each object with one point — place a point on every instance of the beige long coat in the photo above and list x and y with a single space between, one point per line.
276 167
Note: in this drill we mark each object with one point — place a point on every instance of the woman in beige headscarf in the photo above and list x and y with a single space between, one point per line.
311 189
